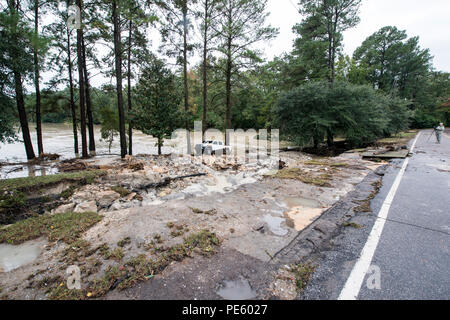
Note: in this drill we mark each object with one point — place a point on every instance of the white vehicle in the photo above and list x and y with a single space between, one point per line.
212 147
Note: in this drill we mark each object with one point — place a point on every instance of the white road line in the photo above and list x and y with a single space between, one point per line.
356 278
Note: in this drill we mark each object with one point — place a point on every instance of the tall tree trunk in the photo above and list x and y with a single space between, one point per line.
13 8
88 103
228 93
72 99
330 138
228 76
23 116
330 49
130 122
315 142
118 65
205 83
36 82
84 150
334 45
185 79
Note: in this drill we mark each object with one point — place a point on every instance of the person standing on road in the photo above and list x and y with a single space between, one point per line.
439 130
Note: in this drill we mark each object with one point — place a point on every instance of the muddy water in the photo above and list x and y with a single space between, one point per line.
216 183
58 138
275 224
13 257
304 202
236 290
302 211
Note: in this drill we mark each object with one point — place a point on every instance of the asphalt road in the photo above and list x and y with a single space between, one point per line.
413 251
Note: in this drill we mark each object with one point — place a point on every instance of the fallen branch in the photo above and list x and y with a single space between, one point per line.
166 181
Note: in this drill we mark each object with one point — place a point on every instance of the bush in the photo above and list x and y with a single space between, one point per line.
303 114
319 110
422 119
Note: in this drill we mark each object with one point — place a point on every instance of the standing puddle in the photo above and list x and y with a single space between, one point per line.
302 202
236 290
20 171
302 211
13 257
274 224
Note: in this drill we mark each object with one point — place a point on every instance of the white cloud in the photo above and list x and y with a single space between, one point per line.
427 19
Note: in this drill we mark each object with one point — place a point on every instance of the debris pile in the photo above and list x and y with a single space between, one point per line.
72 165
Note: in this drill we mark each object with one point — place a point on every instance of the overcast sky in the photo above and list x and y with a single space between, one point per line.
428 19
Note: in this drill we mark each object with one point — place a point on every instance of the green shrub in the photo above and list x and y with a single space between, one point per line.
319 110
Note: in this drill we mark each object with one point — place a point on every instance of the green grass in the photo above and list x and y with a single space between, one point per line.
136 269
204 240
67 227
289 173
125 241
62 293
36 183
141 267
11 200
302 272
321 180
326 163
75 251
363 207
352 224
121 190
67 193
207 212
401 137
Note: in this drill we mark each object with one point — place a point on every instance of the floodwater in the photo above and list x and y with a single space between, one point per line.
15 256
236 290
216 182
58 138
274 224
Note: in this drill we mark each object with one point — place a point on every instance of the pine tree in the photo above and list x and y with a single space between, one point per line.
242 24
17 57
138 16
208 13
321 32
175 34
157 102
81 60
36 6
61 61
